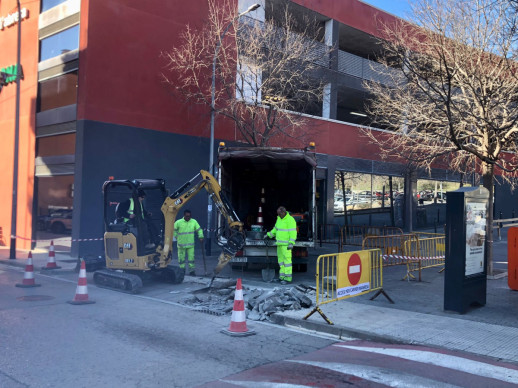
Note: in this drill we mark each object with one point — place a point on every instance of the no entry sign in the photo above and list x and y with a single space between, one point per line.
354 269
353 273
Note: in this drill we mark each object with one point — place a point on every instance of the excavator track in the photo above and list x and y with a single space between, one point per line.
119 281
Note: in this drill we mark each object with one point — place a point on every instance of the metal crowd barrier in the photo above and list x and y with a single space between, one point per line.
329 277
355 234
428 234
424 253
392 247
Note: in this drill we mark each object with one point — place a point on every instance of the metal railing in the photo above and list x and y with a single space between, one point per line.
355 234
504 223
329 234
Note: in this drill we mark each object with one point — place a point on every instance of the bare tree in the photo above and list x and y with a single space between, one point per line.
453 96
267 73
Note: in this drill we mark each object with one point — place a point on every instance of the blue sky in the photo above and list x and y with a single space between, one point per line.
396 7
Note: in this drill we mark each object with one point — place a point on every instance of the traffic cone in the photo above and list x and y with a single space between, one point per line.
238 321
260 217
82 289
51 262
260 220
28 276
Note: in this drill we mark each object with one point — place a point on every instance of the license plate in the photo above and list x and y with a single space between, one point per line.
239 260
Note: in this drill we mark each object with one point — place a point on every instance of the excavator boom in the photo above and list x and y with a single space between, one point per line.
184 194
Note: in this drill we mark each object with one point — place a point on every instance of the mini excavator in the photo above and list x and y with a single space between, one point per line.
130 260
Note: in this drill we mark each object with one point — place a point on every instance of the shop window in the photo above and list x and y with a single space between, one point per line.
59 43
48 4
57 92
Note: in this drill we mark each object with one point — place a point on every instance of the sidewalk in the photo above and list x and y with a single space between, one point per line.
418 318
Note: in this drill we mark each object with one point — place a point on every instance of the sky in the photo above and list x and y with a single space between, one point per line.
396 7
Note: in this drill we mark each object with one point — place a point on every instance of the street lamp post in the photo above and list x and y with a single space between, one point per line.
12 248
212 110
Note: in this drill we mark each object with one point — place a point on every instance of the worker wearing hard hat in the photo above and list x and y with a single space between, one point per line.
285 234
184 231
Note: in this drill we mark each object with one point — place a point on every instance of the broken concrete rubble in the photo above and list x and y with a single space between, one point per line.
260 303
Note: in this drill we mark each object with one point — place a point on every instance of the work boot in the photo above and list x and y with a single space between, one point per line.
284 282
192 273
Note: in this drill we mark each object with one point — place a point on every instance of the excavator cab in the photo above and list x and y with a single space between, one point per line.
116 196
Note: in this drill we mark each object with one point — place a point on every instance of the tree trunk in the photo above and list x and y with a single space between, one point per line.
342 179
487 179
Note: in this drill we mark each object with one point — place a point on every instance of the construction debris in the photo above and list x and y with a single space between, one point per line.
260 304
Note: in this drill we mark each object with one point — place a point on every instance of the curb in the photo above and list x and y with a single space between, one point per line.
334 330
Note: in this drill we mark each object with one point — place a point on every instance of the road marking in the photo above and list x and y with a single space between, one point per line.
391 378
262 384
447 361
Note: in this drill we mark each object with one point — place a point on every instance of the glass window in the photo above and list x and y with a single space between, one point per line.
433 192
57 92
59 43
48 4
365 191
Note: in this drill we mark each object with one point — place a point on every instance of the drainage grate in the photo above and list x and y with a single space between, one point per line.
211 312
34 298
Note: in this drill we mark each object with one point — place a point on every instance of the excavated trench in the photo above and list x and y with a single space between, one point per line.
259 303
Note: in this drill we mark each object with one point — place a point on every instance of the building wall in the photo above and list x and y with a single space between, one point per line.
129 153
356 14
121 64
28 90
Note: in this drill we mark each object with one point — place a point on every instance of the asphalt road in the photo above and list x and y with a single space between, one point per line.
124 340
151 340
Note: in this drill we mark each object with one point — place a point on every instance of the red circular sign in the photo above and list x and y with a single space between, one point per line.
354 269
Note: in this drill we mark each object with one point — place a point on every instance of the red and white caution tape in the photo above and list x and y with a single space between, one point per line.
412 258
58 239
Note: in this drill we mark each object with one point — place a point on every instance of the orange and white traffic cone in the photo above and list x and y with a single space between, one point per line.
28 276
260 220
82 288
238 321
260 217
51 262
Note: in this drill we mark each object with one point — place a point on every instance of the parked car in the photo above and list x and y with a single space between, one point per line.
58 222
441 197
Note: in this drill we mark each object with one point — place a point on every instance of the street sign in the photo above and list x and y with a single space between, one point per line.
353 273
354 269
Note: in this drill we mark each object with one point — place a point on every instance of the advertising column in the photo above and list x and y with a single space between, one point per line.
465 278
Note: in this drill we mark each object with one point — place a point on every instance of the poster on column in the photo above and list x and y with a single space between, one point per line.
475 237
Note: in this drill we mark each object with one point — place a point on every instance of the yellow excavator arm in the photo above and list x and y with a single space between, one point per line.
174 202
